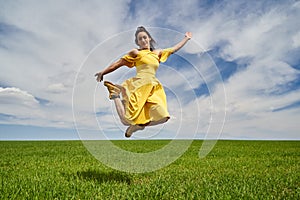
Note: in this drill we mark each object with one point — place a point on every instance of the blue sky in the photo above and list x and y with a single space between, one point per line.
238 78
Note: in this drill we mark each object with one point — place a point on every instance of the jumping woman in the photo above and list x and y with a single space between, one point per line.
143 97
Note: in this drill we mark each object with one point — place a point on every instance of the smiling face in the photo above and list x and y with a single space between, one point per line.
143 40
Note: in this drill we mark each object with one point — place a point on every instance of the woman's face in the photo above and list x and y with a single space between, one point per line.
143 40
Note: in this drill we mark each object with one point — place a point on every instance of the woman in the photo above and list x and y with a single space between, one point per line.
144 99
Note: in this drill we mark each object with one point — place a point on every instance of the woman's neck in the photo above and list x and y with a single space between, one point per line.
144 49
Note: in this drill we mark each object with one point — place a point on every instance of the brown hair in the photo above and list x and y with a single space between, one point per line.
142 29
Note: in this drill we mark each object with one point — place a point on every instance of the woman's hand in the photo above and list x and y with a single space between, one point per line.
188 35
99 76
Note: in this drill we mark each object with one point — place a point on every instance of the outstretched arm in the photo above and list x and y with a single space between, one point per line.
116 65
187 37
110 68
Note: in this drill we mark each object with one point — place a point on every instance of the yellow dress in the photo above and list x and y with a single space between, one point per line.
145 98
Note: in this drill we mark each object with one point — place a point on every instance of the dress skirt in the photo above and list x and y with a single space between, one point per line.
144 102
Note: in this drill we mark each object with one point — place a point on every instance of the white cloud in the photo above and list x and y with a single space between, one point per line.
21 107
17 96
18 103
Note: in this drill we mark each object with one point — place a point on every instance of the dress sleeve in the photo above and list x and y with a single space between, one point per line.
165 54
131 60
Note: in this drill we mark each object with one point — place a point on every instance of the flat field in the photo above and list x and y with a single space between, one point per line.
232 170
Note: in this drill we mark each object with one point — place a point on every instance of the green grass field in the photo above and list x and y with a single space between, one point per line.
232 170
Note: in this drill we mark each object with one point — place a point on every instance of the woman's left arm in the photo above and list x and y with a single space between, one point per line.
187 37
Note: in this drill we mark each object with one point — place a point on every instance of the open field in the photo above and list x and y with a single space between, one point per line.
233 170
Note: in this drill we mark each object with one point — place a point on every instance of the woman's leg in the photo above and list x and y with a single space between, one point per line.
114 94
121 110
133 128
161 121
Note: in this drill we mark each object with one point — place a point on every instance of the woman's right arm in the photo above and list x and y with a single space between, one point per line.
110 68
115 65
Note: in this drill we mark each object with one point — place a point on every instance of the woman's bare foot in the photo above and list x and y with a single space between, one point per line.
133 128
114 91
